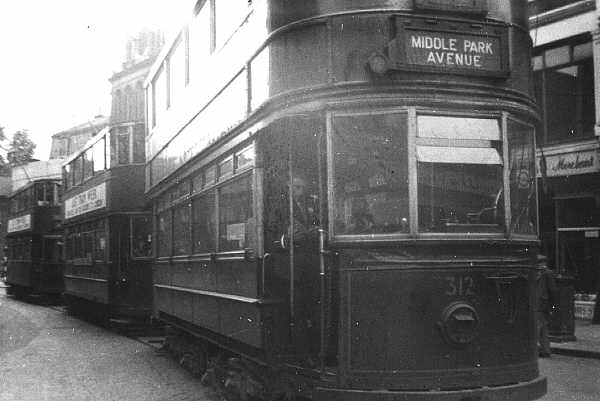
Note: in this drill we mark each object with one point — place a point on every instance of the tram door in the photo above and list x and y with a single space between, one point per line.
294 214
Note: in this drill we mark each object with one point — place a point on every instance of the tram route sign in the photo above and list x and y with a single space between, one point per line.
483 51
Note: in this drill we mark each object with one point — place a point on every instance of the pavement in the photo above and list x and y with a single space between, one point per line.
586 345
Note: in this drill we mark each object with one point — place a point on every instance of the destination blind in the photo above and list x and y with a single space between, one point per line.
450 51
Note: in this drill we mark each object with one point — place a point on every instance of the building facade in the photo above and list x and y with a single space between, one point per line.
566 63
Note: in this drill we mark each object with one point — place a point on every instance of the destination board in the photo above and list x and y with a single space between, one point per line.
452 50
449 47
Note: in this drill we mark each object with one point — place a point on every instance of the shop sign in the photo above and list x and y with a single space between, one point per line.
85 202
571 163
19 223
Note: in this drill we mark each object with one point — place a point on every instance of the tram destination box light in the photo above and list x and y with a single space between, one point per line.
463 6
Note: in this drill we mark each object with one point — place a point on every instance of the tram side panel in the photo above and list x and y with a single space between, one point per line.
218 296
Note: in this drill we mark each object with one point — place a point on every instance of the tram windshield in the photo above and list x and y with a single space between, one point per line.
459 174
371 174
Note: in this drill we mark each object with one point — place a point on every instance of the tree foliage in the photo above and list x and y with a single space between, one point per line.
19 150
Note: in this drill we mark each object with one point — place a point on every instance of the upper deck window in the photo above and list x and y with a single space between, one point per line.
177 67
371 174
159 96
98 155
459 174
229 16
199 42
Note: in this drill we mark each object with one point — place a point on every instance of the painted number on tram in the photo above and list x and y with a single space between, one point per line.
459 286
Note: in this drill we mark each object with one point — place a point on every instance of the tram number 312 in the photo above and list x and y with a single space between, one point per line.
459 286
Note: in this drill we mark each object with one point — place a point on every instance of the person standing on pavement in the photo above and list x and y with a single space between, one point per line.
546 298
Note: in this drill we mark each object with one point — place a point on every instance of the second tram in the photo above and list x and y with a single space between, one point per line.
106 231
345 198
34 240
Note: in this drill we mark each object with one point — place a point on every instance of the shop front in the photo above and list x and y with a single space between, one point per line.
570 218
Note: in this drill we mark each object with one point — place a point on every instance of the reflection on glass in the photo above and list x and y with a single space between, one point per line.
371 179
141 238
98 155
459 175
204 223
164 233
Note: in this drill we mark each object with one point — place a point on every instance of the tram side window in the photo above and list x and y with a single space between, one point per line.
139 153
67 177
204 223
141 237
98 155
236 220
371 174
164 233
88 164
78 170
182 243
459 173
228 18
523 198
100 242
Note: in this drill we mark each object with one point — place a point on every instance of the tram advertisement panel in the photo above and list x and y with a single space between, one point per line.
19 223
90 200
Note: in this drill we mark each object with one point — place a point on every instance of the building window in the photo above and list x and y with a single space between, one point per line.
564 87
541 6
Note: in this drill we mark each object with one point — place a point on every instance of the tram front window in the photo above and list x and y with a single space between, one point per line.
459 173
371 174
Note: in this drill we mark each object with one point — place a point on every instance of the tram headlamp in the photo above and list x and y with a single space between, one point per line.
378 63
459 324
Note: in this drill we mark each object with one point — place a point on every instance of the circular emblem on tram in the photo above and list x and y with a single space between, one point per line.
460 323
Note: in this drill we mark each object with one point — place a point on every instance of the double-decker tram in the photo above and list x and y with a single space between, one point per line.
107 232
34 240
345 199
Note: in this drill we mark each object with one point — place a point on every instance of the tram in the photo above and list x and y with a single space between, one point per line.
34 241
344 196
107 232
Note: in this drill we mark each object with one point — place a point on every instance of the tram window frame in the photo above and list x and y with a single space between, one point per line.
471 143
404 226
67 176
229 232
516 179
143 237
88 164
223 32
